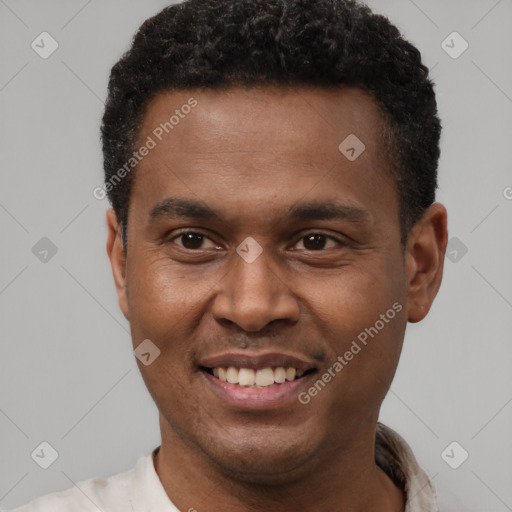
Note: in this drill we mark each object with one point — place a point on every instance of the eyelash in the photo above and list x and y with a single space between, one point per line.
339 241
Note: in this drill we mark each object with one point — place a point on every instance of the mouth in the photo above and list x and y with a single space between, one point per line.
257 379
256 382
258 370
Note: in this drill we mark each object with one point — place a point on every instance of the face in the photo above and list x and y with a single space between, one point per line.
259 257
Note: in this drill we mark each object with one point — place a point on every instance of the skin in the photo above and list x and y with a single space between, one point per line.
249 155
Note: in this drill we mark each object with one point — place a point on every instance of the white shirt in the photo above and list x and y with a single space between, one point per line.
140 489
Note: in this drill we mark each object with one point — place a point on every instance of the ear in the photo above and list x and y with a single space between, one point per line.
117 259
426 247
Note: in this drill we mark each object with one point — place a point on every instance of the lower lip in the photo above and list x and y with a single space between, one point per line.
250 399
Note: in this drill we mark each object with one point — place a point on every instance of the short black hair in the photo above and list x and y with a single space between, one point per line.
211 44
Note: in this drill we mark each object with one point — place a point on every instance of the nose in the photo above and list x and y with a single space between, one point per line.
253 294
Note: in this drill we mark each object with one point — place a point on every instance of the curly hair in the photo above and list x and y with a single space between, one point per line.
325 43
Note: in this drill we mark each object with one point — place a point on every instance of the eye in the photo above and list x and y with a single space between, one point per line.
193 240
319 241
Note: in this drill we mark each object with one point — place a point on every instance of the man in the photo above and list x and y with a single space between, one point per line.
272 170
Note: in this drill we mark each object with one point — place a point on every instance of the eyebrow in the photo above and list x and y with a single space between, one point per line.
174 207
328 210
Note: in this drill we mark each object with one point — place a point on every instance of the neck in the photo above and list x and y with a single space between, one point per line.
346 481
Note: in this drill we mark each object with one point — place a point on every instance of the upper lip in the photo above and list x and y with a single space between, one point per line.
256 361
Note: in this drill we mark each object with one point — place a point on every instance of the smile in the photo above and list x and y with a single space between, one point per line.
256 382
263 378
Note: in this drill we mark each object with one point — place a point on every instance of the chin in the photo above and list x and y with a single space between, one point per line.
259 456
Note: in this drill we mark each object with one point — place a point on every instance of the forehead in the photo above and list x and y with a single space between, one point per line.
298 117
231 145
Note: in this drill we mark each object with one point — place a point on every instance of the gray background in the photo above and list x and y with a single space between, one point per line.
67 372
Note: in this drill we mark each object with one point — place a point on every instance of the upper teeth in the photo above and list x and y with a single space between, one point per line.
262 378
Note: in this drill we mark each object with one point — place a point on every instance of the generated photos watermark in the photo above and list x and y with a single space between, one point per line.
151 142
355 348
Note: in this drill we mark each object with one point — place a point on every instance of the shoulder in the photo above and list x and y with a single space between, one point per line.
90 495
395 457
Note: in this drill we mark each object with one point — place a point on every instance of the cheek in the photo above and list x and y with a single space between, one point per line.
354 296
163 307
164 298
361 312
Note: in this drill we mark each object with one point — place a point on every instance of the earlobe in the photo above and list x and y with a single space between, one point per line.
425 253
117 259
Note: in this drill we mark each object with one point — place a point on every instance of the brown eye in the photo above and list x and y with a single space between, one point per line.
314 242
319 241
193 241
